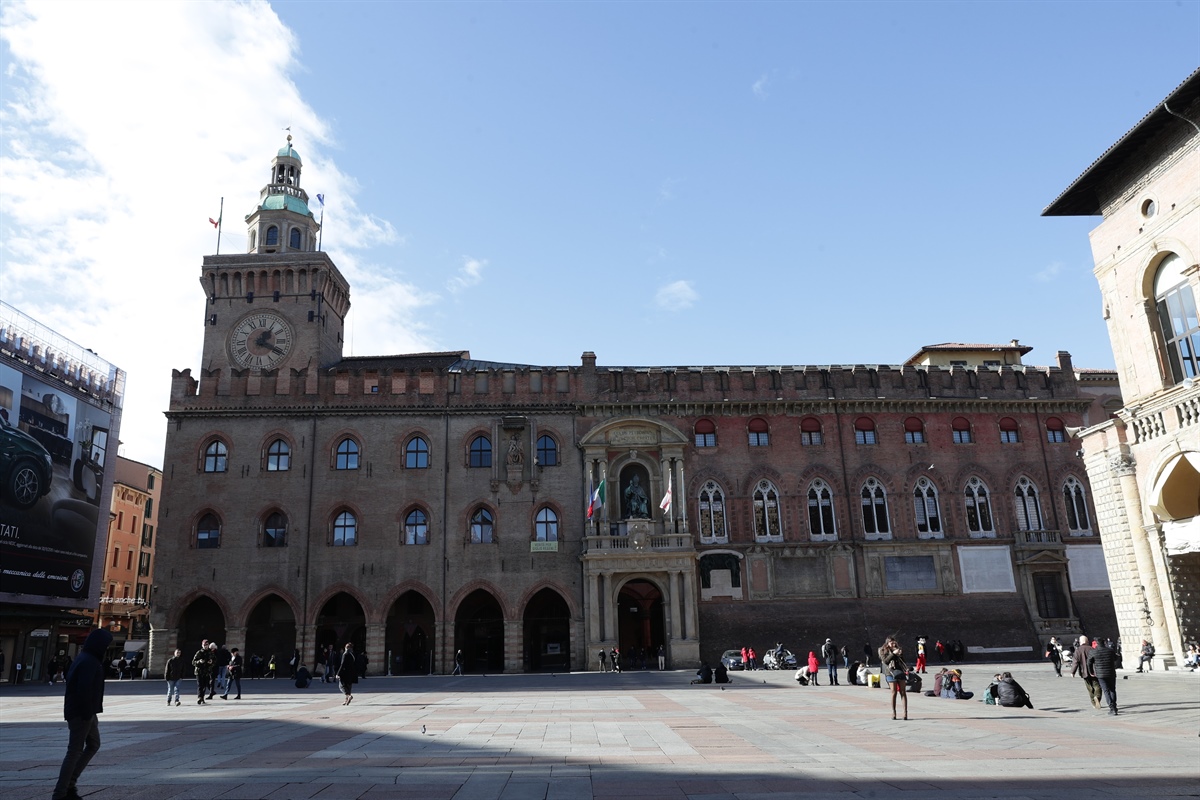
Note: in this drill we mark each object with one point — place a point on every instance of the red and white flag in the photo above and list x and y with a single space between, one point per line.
216 223
665 505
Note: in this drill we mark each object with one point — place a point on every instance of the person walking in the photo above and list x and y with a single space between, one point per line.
173 672
1102 663
271 666
84 700
868 652
753 658
1054 653
891 657
615 657
1079 667
830 653
202 663
221 658
662 658
347 673
603 657
233 674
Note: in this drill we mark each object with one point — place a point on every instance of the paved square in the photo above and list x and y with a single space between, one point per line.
633 735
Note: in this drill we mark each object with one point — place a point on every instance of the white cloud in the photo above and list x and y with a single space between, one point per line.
760 87
1050 272
676 296
469 274
123 126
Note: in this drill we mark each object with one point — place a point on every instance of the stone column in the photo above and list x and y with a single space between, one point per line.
691 620
514 646
236 637
674 595
376 654
604 607
665 466
1125 469
163 642
592 600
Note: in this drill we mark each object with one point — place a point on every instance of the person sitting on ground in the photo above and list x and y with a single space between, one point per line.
704 674
952 688
1192 660
939 683
303 677
814 667
1010 694
720 674
852 673
864 670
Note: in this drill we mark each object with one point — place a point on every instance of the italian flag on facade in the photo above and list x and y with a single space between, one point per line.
596 502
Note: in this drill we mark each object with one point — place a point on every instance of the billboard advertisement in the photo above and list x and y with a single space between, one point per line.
58 442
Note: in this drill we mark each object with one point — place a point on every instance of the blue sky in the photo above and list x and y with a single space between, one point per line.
662 183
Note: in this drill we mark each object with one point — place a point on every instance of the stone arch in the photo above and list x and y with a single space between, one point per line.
396 592
261 594
331 591
186 600
470 588
548 619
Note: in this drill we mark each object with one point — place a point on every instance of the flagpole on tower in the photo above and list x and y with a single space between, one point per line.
216 223
321 221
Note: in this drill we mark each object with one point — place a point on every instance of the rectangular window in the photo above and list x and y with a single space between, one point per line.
116 556
962 437
808 438
133 527
910 573
147 535
1056 437
149 507
706 440
120 520
864 437
144 565
758 438
1008 437
150 481
914 437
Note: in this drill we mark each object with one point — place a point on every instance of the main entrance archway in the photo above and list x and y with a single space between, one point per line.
271 630
479 632
201 620
410 634
341 620
547 633
639 623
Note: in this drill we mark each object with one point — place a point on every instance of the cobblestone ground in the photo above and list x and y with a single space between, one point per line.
634 735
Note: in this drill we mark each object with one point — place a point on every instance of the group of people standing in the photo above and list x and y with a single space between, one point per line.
216 668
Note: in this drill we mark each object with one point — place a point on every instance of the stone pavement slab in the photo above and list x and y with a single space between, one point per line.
593 736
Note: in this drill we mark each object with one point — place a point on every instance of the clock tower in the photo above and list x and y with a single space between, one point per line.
283 303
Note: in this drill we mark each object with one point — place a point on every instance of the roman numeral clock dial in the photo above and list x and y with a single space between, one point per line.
260 341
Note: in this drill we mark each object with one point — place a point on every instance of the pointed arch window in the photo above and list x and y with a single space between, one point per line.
821 523
547 451
914 431
279 456
294 238
346 456
482 527
1177 318
1075 498
759 432
874 510
1056 432
272 237
416 527
712 512
1027 505
864 431
216 457
979 509
706 433
810 432
480 453
416 453
208 532
1009 432
546 526
960 427
345 530
926 510
275 530
766 511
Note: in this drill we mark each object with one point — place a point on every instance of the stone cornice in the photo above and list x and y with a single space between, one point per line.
739 408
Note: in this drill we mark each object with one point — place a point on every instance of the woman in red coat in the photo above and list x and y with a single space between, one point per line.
814 668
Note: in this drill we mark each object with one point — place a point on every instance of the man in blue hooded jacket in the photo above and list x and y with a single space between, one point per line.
83 701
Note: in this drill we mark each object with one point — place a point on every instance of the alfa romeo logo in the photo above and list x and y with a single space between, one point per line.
77 580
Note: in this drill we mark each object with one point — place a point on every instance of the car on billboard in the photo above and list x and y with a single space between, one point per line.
25 467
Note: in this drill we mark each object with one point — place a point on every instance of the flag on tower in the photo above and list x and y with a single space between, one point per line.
216 223
597 501
321 200
665 505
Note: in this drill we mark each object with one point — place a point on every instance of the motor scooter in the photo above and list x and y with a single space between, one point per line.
772 661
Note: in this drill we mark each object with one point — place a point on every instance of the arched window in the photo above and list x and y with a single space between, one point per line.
766 511
759 433
1177 318
1056 432
216 457
875 510
272 237
712 511
1028 509
810 431
961 429
279 456
480 454
1009 432
345 530
547 451
416 527
275 530
926 510
1075 499
481 526
864 431
546 527
979 508
253 239
820 510
706 433
416 453
347 455
208 532
294 239
914 431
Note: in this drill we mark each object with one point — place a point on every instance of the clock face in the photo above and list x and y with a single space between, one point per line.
261 341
